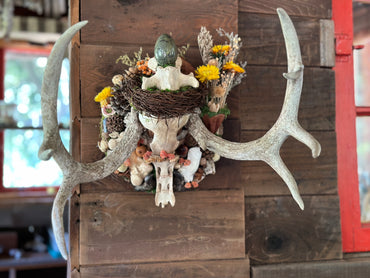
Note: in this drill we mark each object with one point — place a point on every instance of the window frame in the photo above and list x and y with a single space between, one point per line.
355 235
20 47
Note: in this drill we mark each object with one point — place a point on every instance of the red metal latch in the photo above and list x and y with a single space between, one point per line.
343 45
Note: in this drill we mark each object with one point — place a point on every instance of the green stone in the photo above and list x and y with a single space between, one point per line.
165 51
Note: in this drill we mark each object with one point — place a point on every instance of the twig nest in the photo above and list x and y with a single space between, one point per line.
158 103
165 51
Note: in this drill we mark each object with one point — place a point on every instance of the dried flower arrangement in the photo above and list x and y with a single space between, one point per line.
171 96
220 73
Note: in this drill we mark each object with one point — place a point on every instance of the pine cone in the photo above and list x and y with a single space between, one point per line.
115 123
119 103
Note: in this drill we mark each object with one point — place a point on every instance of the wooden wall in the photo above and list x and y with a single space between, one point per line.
243 220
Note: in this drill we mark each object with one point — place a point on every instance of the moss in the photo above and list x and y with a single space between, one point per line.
182 89
225 110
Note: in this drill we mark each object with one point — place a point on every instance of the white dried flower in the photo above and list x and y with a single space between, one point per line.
205 44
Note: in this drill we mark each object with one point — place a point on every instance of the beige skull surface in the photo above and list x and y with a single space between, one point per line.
165 139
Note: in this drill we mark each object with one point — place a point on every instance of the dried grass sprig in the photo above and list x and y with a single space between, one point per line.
182 50
238 78
234 42
125 59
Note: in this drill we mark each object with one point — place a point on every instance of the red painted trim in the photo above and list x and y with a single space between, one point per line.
355 236
32 50
363 111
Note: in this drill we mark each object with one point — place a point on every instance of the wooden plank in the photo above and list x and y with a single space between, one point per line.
89 140
313 176
199 269
141 22
74 232
277 231
129 228
75 102
74 274
263 42
315 8
328 269
327 55
263 92
74 16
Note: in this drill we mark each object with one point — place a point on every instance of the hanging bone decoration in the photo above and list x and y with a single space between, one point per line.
168 134
163 146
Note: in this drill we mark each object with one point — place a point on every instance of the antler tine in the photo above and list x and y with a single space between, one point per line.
75 172
49 93
267 148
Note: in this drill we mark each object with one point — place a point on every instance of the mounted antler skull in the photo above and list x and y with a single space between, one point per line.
165 132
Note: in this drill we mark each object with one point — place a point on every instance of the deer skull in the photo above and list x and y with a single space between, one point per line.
165 131
163 147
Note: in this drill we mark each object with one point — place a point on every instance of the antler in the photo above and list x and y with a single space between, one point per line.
74 172
268 146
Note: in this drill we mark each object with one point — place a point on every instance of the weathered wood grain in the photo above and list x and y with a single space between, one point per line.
75 146
127 228
315 8
74 274
198 269
263 42
141 22
328 269
314 176
262 96
277 231
327 55
74 230
75 81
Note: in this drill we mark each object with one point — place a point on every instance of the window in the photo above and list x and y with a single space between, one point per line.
362 102
22 131
353 127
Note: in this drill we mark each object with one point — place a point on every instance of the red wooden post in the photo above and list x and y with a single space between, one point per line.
356 236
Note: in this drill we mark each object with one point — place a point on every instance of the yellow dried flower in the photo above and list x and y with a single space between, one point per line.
233 67
206 73
103 95
221 49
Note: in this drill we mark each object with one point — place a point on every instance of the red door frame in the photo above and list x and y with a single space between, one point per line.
355 236
24 49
